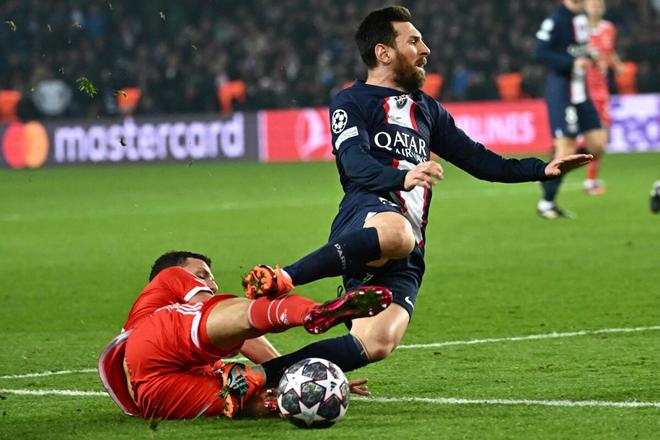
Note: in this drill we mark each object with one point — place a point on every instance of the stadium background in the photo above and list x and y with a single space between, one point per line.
156 60
218 90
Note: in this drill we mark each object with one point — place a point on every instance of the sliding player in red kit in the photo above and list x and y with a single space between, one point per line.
602 49
167 361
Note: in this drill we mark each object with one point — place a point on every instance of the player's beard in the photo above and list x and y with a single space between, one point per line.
407 75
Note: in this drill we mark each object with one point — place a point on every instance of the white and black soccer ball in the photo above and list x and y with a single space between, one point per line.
313 393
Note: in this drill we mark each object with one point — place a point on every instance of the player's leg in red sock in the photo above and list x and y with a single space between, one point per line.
276 315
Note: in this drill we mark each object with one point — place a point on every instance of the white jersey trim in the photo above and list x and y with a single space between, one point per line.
119 339
194 330
413 204
195 291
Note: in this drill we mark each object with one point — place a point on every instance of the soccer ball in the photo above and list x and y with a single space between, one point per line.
313 393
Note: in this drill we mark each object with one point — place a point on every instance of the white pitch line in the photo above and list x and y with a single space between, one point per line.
552 335
426 400
49 373
55 393
84 370
560 403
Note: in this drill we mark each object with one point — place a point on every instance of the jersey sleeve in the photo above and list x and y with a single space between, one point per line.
350 144
181 283
546 49
452 144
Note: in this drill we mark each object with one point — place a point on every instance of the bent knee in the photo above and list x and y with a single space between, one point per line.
396 239
596 141
597 150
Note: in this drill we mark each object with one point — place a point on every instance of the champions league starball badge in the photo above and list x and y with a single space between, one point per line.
339 120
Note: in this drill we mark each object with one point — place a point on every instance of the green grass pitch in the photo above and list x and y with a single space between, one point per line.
76 245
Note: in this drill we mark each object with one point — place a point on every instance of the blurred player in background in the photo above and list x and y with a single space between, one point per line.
383 132
602 43
166 363
655 198
561 44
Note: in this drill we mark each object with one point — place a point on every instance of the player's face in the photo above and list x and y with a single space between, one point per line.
201 270
595 8
409 57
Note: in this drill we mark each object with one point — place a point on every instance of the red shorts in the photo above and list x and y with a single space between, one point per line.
169 359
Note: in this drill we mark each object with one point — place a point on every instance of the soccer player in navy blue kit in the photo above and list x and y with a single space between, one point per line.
383 132
561 44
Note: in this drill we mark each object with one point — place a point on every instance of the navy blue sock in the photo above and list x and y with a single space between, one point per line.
345 351
550 188
348 253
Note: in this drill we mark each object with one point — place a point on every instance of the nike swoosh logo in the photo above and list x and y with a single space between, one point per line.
407 299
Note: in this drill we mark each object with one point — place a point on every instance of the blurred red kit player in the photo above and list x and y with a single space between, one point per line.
602 44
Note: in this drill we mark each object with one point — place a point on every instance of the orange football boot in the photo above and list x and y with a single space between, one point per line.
265 281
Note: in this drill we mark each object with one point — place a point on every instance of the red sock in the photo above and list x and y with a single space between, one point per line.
592 169
276 315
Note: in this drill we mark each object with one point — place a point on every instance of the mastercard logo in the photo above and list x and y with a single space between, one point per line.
25 145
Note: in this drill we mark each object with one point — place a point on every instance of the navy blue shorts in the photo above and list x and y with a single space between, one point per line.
566 119
403 276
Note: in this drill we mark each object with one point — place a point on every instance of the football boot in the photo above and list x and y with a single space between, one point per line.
265 281
239 383
359 303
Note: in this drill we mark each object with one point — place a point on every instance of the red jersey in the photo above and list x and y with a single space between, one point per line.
602 45
174 285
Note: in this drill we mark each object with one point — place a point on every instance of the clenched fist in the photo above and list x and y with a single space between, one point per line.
425 174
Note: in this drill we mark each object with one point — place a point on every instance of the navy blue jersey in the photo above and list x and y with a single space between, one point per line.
563 37
378 134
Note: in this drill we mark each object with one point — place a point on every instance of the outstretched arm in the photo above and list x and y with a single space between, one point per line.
453 145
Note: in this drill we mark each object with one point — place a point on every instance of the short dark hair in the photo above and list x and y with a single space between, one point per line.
377 28
174 258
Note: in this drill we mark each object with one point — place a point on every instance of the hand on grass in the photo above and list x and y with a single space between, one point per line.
359 387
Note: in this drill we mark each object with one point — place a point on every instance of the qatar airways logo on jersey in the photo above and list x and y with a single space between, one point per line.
404 144
400 110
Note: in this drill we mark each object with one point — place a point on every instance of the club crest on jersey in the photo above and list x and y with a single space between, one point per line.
338 121
400 110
